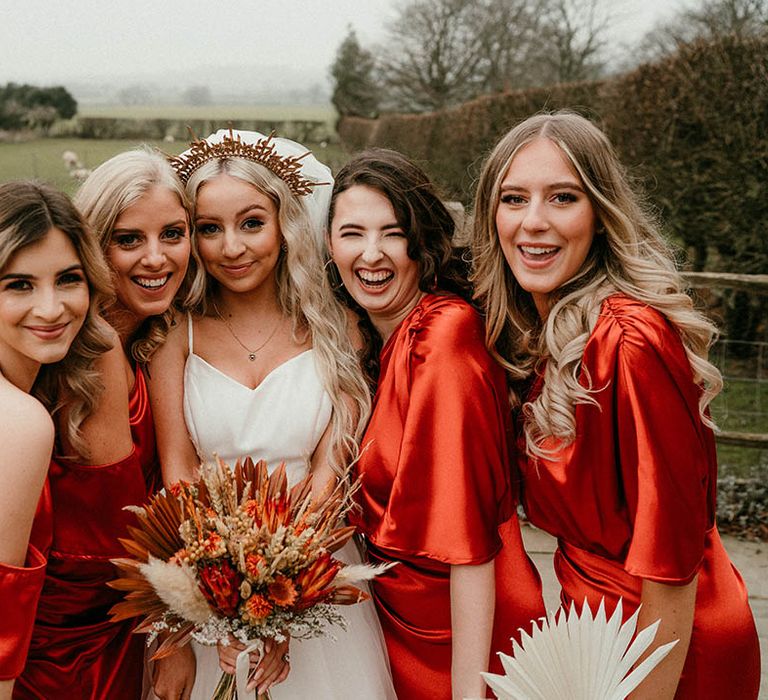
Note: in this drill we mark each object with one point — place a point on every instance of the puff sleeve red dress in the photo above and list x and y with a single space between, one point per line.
77 653
436 489
633 497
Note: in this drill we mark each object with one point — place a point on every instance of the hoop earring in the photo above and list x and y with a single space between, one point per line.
333 275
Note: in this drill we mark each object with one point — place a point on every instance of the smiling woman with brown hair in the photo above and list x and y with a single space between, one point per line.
137 211
52 282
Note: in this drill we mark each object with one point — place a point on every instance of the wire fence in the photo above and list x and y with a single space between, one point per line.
744 366
742 410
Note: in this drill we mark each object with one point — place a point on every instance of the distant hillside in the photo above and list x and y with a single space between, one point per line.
240 84
279 112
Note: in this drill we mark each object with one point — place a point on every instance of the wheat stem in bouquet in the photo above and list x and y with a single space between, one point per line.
580 657
238 553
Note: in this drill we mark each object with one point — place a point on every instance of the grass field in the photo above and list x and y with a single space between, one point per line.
324 113
41 158
742 407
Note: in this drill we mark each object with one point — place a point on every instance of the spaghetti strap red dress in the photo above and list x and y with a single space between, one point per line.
633 497
76 652
436 491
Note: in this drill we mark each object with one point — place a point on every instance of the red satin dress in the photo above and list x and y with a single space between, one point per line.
633 497
20 588
77 653
436 492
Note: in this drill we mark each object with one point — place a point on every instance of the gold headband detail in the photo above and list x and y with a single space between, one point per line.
262 151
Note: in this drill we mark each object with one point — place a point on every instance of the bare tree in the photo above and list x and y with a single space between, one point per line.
197 95
443 52
512 45
743 18
575 34
715 18
432 55
135 94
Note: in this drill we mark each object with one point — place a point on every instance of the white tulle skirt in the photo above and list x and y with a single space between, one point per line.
353 666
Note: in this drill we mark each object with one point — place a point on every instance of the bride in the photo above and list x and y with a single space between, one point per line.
263 367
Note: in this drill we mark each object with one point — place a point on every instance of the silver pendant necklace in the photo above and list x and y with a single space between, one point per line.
251 353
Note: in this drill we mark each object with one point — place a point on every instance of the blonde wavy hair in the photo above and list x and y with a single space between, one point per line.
113 187
628 256
28 211
305 296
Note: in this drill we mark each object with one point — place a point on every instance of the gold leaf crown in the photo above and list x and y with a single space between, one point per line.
262 151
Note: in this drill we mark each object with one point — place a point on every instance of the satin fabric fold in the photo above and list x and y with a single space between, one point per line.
633 496
20 589
723 640
76 652
19 592
436 491
143 432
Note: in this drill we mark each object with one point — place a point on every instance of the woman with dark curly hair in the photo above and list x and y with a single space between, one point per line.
436 495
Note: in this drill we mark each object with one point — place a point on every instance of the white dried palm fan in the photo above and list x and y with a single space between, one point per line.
578 657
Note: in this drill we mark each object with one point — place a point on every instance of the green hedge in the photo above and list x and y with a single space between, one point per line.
452 144
693 128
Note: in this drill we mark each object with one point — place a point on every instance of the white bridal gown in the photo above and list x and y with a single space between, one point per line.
282 420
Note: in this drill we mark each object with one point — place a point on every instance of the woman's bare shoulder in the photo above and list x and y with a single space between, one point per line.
113 365
25 419
177 341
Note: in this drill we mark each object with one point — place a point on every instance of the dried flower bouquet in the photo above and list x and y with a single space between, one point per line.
239 554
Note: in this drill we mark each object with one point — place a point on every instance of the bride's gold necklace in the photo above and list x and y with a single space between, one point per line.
251 353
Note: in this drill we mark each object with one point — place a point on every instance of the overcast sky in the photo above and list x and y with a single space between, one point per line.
56 41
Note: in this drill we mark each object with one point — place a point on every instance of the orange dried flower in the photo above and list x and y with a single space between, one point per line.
314 581
258 607
177 487
220 584
252 508
282 591
254 564
213 545
179 557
